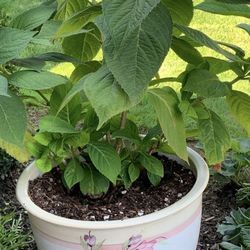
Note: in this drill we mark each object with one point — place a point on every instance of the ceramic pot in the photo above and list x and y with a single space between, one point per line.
173 228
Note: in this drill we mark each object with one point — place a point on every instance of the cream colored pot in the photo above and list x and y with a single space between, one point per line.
174 228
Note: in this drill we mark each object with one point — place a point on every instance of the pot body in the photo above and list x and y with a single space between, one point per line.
173 228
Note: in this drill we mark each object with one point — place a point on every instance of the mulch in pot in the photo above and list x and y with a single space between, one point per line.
49 194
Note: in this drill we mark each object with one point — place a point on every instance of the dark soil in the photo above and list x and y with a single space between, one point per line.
49 194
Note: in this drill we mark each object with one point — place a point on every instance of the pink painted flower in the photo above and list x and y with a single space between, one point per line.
136 243
90 239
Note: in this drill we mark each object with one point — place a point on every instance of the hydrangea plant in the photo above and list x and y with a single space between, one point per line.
88 131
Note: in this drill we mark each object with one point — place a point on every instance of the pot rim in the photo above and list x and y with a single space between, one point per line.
196 191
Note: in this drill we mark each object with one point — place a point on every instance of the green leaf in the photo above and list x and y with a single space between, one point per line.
44 164
93 183
245 27
125 175
73 173
72 111
78 140
83 46
203 39
246 236
186 51
33 18
38 62
83 69
239 104
214 135
75 23
229 246
134 172
134 54
165 102
54 124
105 159
105 95
151 164
28 79
205 83
154 179
217 66
67 8
187 109
12 120
3 86
181 11
12 42
217 7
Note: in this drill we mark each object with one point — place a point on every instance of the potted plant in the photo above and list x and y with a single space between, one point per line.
88 141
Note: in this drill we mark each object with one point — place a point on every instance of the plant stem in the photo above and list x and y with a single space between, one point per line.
119 141
43 96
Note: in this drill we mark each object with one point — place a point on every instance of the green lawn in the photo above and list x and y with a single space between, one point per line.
221 28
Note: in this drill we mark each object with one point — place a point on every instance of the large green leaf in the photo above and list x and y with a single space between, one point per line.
83 46
72 111
12 120
73 173
93 183
213 135
33 18
239 104
105 159
245 27
203 39
134 57
12 42
151 164
181 10
205 83
230 246
217 7
165 102
3 86
105 95
75 23
246 236
67 8
28 79
186 51
55 124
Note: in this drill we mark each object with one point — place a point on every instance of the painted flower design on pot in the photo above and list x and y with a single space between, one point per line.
88 242
137 243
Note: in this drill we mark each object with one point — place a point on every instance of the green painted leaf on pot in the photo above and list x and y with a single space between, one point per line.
245 27
54 124
12 42
181 10
135 55
213 135
3 86
105 95
205 83
67 8
165 102
221 8
12 120
151 164
93 183
186 51
28 79
33 18
105 159
73 173
239 104
203 39
83 46
75 23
